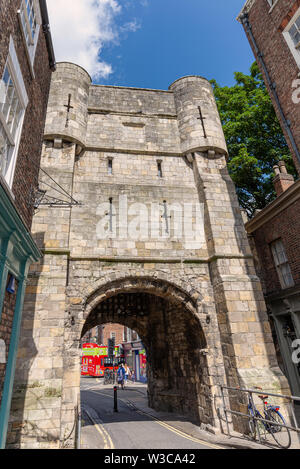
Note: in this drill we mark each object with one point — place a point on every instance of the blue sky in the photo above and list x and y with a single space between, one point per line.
151 43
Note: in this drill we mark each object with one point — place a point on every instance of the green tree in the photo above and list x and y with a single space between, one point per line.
254 138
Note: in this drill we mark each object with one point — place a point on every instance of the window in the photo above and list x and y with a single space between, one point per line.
129 335
13 102
109 166
159 169
272 2
292 36
282 265
30 19
112 335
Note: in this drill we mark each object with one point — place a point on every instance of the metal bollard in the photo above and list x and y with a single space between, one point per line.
115 399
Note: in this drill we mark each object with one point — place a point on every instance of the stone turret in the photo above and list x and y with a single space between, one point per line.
68 100
198 118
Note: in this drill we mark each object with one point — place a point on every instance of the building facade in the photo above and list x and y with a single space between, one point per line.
274 234
26 60
150 237
101 334
273 30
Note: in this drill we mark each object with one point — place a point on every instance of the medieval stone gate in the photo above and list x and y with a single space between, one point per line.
145 230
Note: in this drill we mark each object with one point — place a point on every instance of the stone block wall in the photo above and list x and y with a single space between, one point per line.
209 284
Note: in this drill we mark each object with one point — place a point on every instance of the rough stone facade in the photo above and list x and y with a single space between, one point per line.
196 303
267 26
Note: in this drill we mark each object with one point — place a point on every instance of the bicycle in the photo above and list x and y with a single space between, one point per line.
108 377
281 434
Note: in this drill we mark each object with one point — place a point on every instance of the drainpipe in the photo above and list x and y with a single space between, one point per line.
287 125
47 33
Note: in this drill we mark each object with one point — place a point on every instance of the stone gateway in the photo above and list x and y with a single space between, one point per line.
145 231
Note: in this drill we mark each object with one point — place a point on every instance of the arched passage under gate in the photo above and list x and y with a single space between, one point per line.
166 320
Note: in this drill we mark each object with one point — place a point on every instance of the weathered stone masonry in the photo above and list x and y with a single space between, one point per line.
204 311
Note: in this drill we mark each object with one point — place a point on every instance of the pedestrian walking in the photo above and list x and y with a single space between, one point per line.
127 372
121 375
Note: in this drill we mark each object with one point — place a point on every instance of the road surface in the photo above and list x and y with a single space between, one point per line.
129 428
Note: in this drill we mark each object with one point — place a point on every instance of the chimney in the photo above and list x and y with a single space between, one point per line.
282 180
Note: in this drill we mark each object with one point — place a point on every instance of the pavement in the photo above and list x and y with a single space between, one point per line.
137 426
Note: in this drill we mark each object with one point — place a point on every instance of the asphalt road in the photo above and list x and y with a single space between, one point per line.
129 428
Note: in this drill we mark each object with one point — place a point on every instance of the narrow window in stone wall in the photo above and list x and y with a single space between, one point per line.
112 335
30 21
159 169
282 265
110 166
13 102
292 36
110 214
165 216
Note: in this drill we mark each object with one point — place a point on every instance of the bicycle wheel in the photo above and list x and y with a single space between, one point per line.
280 434
252 426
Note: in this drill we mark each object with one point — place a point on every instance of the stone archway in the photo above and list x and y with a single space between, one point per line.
166 318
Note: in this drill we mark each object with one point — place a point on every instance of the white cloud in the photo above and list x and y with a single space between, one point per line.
81 28
130 27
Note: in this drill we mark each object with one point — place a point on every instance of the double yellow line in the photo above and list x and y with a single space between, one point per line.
108 443
166 425
179 432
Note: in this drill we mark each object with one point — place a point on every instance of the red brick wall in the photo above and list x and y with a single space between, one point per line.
5 329
109 328
26 172
281 65
286 226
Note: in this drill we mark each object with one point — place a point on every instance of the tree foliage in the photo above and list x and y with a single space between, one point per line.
254 138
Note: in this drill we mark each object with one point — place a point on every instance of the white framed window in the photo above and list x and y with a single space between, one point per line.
112 335
292 36
282 264
30 22
13 102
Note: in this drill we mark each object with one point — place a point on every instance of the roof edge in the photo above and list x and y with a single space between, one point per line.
47 33
246 8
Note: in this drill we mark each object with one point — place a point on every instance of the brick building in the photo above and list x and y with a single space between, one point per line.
26 60
273 30
101 334
275 239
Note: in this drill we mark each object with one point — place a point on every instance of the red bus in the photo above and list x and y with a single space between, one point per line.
95 360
